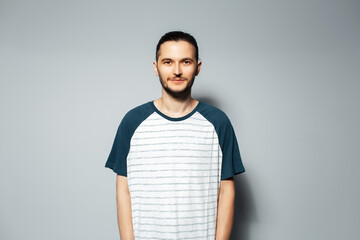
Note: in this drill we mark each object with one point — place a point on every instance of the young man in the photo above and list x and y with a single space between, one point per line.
175 157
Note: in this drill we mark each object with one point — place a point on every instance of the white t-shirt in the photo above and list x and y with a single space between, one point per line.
174 167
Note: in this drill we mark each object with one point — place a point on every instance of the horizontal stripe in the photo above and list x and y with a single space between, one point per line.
164 184
178 143
199 119
179 194
168 156
171 163
177 149
157 238
179 218
172 176
178 225
173 130
172 211
173 170
185 176
176 124
173 190
185 231
190 136
202 196
170 204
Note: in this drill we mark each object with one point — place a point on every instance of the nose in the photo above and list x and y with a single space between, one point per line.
177 69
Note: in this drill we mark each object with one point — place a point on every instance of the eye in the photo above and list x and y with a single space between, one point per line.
187 62
167 62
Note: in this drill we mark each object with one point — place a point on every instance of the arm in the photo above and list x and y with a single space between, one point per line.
123 202
225 212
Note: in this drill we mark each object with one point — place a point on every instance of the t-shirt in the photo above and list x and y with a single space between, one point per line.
174 167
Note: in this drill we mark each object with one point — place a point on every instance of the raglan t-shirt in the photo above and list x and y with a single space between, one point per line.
174 167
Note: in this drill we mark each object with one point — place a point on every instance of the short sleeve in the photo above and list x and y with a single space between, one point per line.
231 160
120 149
117 159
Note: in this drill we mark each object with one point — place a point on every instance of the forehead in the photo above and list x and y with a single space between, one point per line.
176 49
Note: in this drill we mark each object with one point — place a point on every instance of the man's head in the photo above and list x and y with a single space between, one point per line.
177 63
177 36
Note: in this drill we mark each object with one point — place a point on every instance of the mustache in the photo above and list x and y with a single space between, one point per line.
177 78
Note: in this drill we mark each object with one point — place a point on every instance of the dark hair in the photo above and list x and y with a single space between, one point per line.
178 36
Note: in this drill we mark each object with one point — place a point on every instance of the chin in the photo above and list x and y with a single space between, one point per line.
178 90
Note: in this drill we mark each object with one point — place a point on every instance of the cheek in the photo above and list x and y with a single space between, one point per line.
164 72
162 77
191 71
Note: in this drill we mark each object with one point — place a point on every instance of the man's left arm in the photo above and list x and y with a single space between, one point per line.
225 211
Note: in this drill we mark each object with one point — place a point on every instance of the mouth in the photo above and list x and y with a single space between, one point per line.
177 80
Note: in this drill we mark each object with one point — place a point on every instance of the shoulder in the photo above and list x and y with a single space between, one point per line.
136 115
213 114
139 111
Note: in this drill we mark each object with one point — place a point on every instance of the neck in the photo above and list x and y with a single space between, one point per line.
175 107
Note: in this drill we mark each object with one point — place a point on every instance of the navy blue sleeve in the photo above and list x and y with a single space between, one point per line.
231 161
120 149
117 159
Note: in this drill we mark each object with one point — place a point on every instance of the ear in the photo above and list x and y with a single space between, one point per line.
198 67
155 68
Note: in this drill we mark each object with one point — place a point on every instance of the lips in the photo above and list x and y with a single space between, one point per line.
177 79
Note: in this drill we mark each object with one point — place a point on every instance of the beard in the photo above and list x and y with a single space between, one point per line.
183 94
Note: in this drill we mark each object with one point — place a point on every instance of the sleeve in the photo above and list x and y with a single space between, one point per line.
231 159
120 149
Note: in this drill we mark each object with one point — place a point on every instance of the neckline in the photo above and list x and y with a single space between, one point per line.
175 118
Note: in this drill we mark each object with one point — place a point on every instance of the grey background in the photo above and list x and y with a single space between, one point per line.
285 72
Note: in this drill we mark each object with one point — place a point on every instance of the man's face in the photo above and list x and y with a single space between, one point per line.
177 67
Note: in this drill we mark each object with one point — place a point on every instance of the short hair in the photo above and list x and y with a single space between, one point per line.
178 36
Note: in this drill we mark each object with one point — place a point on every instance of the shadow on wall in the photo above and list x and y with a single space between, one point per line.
244 210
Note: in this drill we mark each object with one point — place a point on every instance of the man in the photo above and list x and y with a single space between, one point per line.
175 157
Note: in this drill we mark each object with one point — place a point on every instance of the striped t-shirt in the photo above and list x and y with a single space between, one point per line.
174 167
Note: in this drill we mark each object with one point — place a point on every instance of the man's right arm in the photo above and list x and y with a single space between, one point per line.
123 202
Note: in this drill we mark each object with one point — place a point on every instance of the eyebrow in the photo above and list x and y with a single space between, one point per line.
183 59
166 59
